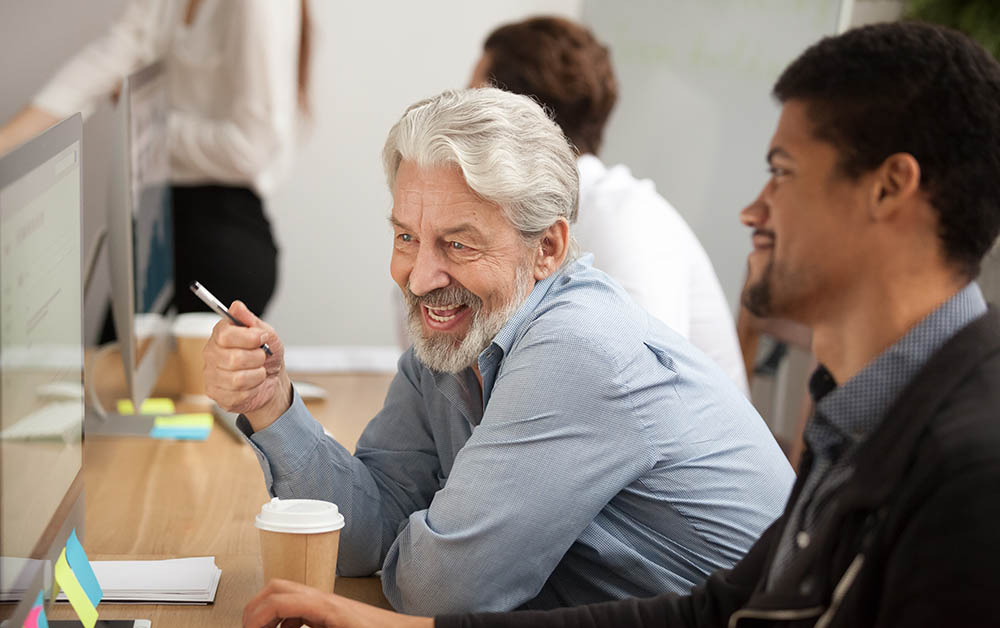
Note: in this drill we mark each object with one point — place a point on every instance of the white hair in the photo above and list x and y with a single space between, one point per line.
509 150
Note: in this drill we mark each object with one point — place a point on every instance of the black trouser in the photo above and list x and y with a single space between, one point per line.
223 240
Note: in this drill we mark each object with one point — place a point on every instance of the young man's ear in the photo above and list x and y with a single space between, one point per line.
896 181
552 248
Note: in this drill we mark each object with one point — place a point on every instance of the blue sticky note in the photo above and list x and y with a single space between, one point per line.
80 565
174 433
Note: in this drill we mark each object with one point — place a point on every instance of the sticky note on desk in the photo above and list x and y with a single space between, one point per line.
195 426
80 564
153 405
36 616
66 580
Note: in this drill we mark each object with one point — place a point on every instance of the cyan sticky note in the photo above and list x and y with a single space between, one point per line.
194 426
153 405
200 433
80 565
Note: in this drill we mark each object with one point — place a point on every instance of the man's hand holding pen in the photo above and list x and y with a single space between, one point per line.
242 378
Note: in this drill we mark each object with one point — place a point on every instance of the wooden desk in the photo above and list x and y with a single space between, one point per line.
149 499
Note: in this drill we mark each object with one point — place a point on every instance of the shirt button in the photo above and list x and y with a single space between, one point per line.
802 539
806 587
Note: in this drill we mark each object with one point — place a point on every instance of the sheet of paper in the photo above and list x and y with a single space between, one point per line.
178 580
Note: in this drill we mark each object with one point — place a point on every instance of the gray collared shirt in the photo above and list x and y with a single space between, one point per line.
605 458
846 415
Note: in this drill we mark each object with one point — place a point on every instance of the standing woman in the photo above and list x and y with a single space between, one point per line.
237 74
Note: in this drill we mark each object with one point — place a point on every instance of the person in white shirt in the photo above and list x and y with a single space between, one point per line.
636 236
237 73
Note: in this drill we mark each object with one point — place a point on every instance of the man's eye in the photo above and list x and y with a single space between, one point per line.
456 246
405 237
776 171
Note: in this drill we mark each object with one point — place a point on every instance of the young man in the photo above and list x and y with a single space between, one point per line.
882 201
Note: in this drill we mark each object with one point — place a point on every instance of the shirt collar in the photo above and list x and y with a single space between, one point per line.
852 411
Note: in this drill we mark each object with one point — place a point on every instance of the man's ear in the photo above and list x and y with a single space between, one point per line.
896 183
551 250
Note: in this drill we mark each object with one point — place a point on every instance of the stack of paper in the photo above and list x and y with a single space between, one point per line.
177 581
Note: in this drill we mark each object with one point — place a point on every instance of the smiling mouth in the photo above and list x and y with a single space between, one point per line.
762 240
444 313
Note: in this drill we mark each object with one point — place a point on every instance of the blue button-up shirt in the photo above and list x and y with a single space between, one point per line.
604 457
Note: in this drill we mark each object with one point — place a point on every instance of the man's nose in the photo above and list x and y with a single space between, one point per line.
429 272
755 214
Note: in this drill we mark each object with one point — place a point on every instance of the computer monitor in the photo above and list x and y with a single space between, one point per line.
41 362
140 225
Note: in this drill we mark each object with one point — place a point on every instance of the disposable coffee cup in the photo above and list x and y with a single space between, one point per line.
299 539
192 330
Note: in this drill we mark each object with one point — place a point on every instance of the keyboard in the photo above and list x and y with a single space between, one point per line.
61 420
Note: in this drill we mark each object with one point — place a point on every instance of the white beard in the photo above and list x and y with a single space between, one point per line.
439 353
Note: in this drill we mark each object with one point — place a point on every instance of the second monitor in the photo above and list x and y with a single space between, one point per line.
140 231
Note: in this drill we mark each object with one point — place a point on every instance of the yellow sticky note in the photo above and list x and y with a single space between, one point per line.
185 421
153 405
66 580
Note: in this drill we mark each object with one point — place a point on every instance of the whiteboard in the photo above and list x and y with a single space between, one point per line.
695 112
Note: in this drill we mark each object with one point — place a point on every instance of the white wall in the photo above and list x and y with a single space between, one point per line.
695 113
371 61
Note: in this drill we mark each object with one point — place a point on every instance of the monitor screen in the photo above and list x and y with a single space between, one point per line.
150 182
41 355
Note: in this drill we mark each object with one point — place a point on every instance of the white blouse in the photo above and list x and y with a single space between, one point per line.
639 239
232 75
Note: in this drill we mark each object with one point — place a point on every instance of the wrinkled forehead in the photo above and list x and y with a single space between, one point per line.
437 197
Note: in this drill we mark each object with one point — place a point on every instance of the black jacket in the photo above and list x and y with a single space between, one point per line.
911 539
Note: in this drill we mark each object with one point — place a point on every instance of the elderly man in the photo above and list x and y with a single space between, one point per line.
882 201
545 442
635 235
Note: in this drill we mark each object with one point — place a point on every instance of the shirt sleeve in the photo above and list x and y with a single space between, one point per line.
262 55
534 474
394 472
132 41
709 604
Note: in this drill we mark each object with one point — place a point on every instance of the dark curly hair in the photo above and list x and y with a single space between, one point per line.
911 87
561 65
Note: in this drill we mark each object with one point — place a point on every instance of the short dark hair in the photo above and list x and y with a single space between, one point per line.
922 89
563 66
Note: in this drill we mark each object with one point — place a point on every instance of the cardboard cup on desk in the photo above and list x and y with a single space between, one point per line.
299 539
192 330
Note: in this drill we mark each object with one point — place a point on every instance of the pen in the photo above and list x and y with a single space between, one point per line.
209 299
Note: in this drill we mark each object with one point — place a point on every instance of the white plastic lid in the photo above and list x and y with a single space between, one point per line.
299 516
195 324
